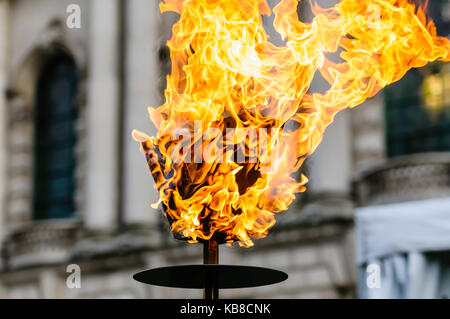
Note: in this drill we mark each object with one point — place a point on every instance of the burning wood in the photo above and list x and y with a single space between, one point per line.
238 120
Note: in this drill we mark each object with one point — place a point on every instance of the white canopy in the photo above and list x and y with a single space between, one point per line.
405 227
400 239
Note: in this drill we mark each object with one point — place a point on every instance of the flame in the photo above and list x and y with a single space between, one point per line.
227 77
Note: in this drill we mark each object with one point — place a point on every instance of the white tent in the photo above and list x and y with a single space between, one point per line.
403 250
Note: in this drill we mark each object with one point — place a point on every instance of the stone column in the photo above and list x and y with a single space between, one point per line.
142 90
330 167
103 115
369 133
4 19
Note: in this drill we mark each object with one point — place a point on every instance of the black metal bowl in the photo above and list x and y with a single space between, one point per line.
224 276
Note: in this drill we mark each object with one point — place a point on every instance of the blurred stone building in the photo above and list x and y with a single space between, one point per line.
74 188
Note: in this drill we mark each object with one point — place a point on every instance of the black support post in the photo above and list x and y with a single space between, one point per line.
210 257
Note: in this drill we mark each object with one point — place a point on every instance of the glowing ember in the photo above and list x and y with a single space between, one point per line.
238 120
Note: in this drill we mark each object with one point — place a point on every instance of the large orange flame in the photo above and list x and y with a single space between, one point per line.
226 74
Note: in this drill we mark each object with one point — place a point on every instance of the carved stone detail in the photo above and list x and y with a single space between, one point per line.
405 178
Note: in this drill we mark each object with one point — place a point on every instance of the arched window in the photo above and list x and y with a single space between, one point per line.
55 114
418 106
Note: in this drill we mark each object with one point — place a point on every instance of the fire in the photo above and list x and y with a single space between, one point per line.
232 93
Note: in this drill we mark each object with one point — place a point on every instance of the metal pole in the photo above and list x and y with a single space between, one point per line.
210 257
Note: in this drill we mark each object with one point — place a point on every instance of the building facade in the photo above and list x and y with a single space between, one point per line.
74 188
